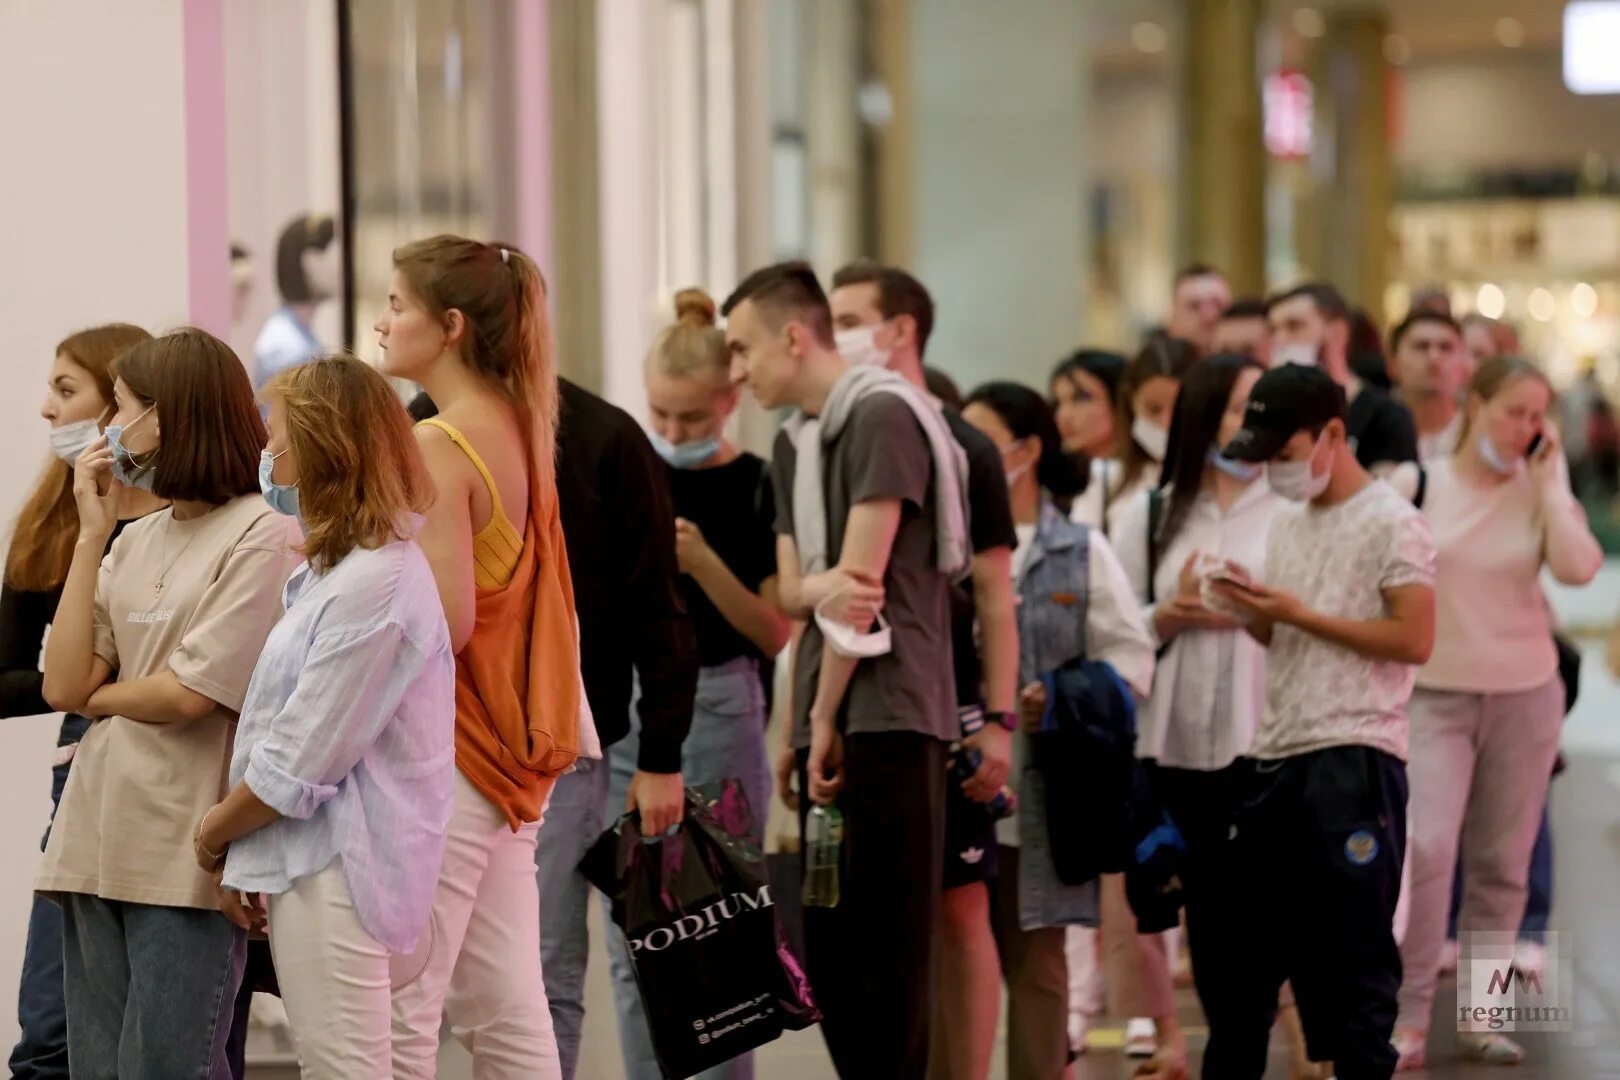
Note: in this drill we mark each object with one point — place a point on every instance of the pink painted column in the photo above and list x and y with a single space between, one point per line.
207 175
531 45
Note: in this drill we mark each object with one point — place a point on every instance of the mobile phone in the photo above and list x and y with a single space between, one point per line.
1535 444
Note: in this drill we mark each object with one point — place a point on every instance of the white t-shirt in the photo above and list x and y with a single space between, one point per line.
1210 686
1338 560
1100 501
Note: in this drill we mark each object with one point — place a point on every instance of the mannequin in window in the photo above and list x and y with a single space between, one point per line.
307 276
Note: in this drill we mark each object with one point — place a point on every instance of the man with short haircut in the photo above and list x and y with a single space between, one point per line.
1310 326
871 520
884 316
1345 606
1429 366
1197 300
1243 330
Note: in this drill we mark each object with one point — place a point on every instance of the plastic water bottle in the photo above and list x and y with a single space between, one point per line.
823 840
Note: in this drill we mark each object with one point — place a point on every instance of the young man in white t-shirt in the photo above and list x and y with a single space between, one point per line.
1346 607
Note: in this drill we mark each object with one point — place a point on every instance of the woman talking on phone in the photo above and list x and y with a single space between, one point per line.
1489 704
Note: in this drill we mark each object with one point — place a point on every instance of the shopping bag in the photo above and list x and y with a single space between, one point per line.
716 975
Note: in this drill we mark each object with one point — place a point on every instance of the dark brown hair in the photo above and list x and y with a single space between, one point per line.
42 546
211 433
787 291
360 472
502 294
1162 357
898 294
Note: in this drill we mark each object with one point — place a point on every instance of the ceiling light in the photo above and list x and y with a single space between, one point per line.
1509 32
1308 22
1490 301
1591 42
1542 306
1583 300
1149 37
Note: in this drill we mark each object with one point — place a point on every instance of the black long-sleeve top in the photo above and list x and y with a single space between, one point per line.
619 527
24 615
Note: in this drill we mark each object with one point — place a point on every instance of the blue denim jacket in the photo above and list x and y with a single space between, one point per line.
1053 596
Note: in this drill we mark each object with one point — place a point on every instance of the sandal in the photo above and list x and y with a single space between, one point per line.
1489 1049
1411 1049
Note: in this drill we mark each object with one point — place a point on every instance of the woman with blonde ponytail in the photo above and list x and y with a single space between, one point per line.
467 321
725 544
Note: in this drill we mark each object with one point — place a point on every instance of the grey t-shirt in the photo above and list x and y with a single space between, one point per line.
882 453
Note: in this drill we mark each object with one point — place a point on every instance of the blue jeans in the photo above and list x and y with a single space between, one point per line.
574 819
727 742
41 1052
150 989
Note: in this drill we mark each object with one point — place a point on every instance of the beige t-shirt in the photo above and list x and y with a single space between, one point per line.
137 790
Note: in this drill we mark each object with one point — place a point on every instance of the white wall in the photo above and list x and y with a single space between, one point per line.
1001 183
1508 109
93 226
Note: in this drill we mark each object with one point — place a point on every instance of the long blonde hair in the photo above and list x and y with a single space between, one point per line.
360 472
502 294
692 347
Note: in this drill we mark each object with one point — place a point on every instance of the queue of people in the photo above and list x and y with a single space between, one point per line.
357 692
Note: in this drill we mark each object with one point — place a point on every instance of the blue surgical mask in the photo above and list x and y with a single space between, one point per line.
283 498
1493 458
686 455
124 467
1244 471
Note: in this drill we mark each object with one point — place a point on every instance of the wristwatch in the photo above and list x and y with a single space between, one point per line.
1005 719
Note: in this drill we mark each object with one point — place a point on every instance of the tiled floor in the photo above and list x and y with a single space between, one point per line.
1587 813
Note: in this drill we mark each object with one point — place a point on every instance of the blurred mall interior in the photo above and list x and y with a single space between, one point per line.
1045 166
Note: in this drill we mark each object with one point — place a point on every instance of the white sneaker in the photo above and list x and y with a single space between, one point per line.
1448 957
1079 1031
1530 957
1141 1037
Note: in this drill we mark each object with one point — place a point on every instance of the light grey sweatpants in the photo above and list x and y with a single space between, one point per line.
1479 767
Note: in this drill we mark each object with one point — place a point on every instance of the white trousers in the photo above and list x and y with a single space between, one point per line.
481 963
334 980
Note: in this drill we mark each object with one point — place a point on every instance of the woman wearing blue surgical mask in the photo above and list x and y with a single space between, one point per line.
78 397
1486 714
726 544
1074 603
343 772
156 643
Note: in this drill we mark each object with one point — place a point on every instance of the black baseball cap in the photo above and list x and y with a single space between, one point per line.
1287 399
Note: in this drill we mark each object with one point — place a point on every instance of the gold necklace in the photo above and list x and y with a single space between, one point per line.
163 575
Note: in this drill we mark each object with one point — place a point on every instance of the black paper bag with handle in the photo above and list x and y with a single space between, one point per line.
714 968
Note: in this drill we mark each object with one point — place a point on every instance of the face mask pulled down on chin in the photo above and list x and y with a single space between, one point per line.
71 440
1492 457
858 345
686 455
1294 480
125 469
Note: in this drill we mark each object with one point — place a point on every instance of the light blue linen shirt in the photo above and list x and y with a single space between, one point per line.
349 732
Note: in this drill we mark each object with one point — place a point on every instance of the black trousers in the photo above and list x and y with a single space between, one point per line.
1307 894
871 959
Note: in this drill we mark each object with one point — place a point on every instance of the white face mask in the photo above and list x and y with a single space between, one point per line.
1294 480
1493 458
848 642
71 440
1299 352
858 345
1150 437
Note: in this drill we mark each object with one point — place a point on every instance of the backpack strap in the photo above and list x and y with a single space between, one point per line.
1422 487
